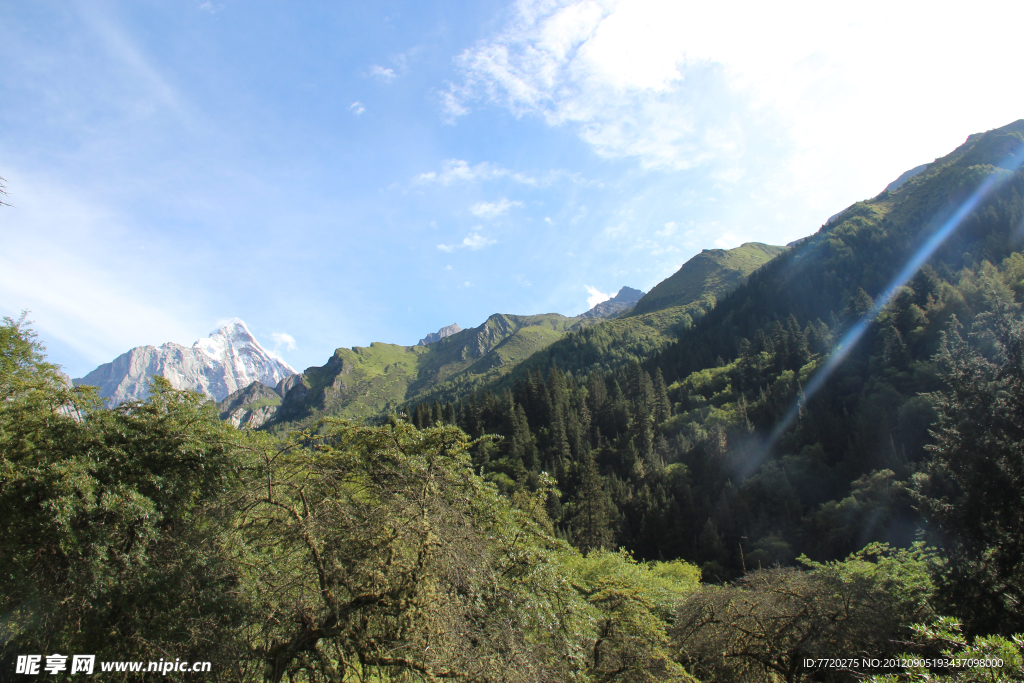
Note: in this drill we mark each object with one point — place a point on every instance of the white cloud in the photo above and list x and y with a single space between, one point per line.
451 105
488 210
477 241
357 108
595 297
383 74
473 241
669 230
457 170
681 83
448 267
210 7
728 241
283 339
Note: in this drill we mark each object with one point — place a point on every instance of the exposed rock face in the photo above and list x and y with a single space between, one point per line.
440 334
624 300
228 360
251 406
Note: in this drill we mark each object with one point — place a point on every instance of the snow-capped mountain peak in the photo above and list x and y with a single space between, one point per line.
228 360
232 334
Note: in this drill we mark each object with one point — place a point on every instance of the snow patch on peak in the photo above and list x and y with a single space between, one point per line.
234 329
228 360
228 322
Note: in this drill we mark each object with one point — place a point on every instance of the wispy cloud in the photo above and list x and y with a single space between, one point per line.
283 339
489 210
454 171
357 108
121 47
383 74
728 240
477 241
611 70
77 294
677 84
596 296
210 7
459 171
669 230
473 241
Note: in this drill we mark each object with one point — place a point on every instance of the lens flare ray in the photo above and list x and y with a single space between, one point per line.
920 257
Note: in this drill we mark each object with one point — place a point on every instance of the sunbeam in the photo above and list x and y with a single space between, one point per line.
850 339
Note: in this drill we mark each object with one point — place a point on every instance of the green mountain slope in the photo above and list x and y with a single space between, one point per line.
713 271
624 337
365 382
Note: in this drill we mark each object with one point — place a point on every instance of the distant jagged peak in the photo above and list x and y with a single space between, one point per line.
446 331
231 332
625 299
232 327
627 295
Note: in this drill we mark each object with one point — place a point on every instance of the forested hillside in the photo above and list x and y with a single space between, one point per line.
154 533
669 456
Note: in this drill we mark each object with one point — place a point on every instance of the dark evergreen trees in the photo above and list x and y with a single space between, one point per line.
972 490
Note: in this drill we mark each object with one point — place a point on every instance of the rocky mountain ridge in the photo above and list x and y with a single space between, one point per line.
620 303
228 360
445 331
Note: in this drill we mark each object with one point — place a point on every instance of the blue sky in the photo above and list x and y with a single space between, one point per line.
341 173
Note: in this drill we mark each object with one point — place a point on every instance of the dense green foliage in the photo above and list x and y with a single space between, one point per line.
767 625
984 659
342 553
970 490
99 537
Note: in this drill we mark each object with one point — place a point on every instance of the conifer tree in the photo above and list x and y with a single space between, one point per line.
591 509
662 405
970 491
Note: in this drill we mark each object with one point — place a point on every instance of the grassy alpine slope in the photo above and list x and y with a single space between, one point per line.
365 382
684 297
713 272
